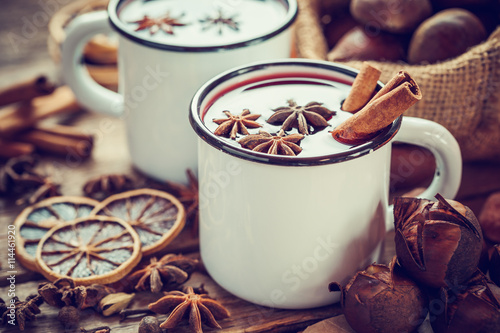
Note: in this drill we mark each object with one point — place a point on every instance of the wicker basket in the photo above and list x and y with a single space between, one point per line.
462 94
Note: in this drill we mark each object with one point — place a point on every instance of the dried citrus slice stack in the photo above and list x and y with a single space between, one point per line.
157 216
95 249
34 222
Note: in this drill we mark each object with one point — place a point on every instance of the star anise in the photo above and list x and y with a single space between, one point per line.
219 21
164 22
18 177
63 292
106 185
273 144
24 311
171 270
312 114
201 309
232 125
188 195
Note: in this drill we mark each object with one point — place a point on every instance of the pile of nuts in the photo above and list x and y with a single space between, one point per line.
416 32
438 272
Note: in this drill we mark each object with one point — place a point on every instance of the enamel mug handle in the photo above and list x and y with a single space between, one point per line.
444 147
89 93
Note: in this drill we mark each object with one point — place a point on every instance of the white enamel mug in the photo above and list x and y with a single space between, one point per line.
276 230
159 71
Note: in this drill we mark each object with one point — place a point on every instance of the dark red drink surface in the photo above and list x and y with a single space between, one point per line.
263 94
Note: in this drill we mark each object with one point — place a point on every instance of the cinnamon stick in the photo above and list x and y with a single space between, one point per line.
19 118
397 96
101 50
60 140
10 149
362 88
26 90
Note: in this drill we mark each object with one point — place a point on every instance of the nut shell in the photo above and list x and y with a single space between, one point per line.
401 16
445 35
439 243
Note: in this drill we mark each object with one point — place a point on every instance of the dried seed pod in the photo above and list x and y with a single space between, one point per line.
474 309
382 299
438 243
494 265
114 303
69 316
149 324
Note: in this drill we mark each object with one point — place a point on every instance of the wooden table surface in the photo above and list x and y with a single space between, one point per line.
24 56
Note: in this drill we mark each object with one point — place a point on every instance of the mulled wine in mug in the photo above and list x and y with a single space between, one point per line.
167 49
285 209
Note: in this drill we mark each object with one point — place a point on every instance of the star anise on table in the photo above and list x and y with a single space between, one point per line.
106 185
170 271
63 292
220 21
279 144
202 309
154 24
187 195
18 177
24 310
302 117
233 125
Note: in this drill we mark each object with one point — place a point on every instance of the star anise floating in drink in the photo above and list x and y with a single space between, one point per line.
201 309
302 117
219 21
279 144
170 270
164 22
233 125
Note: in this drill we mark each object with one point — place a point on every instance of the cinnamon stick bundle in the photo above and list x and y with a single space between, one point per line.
10 149
26 90
60 140
362 88
15 119
397 96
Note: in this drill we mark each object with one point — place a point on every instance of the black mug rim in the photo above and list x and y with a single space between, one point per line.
215 141
121 28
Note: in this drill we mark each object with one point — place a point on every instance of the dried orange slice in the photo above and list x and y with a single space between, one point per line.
95 249
34 222
157 216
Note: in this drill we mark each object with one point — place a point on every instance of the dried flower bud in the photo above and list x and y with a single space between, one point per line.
475 309
114 303
149 324
494 265
382 299
489 218
438 243
69 316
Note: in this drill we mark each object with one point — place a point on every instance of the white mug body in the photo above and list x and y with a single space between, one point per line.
160 72
157 87
276 230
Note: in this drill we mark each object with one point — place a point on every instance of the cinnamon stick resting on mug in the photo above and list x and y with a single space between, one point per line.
362 88
397 96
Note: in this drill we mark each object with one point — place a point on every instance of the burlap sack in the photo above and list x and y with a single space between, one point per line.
462 94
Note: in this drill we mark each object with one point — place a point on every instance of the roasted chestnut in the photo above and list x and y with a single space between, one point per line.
438 243
382 299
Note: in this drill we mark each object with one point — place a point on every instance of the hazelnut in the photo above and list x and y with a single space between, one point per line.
401 16
445 35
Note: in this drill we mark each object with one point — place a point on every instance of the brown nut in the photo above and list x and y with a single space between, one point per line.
489 218
358 44
401 16
445 35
